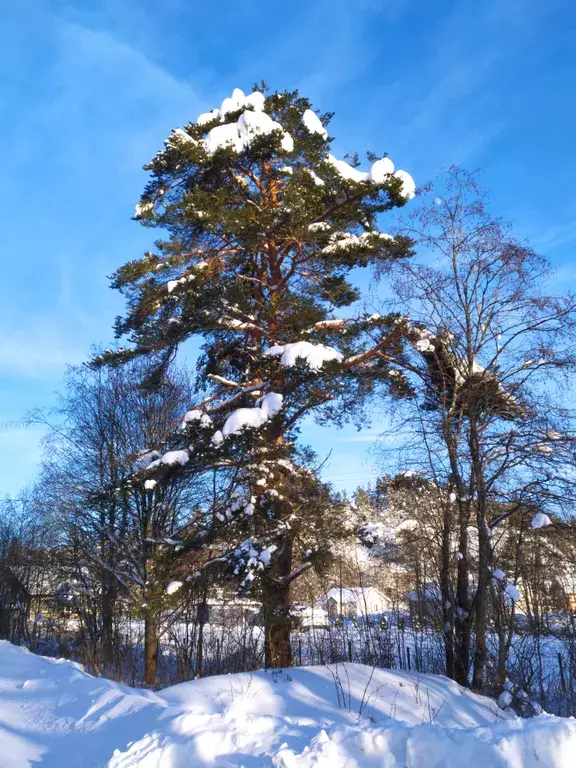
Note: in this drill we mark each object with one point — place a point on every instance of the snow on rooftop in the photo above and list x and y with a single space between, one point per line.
314 355
349 594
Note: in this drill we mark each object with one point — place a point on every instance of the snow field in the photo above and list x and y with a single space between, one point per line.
54 714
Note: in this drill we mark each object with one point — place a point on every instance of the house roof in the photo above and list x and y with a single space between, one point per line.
352 594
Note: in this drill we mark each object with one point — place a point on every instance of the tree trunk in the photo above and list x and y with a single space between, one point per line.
276 610
481 603
150 649
108 603
462 622
276 614
447 614
202 618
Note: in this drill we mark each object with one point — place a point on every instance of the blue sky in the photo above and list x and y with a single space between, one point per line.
89 90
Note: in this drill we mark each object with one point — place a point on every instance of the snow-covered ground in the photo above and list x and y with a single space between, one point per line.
54 714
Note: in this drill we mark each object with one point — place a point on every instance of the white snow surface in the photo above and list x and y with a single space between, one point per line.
315 355
52 714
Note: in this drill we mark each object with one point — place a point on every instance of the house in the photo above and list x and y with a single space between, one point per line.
355 602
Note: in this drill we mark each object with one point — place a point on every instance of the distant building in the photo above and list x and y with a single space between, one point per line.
355 602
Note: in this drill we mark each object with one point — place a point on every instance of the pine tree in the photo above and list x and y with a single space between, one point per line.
263 229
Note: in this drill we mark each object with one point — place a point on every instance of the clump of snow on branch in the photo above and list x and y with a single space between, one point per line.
217 438
512 592
145 459
173 587
243 418
313 123
347 171
319 226
142 208
196 416
342 240
540 520
314 355
498 574
250 418
380 172
175 457
505 699
233 103
270 404
252 122
408 189
251 560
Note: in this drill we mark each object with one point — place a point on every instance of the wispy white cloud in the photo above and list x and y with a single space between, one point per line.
42 352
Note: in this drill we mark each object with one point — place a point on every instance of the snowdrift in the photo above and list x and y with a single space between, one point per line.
54 714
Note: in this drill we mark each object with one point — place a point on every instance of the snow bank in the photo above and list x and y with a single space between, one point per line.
52 714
